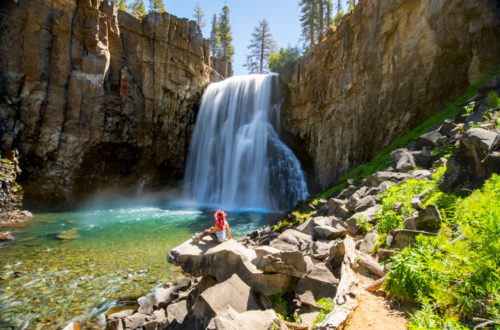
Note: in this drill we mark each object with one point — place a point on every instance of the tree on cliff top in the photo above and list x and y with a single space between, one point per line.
121 5
261 46
315 20
283 62
214 37
137 8
199 15
156 6
226 50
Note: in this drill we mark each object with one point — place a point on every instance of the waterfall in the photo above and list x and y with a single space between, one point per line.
236 159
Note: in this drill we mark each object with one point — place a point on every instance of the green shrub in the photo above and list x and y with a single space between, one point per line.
283 62
454 276
364 224
327 305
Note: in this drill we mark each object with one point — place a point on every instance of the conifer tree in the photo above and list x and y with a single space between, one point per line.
261 46
137 8
315 20
226 50
121 4
156 6
199 15
214 37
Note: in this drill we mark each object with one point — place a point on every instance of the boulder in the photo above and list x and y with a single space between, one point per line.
336 207
162 296
368 242
403 160
422 158
230 257
183 284
121 314
285 262
446 127
337 252
306 227
232 292
177 312
145 304
370 214
429 219
134 321
321 248
472 162
329 232
293 240
401 238
377 178
114 324
365 203
316 284
429 139
230 319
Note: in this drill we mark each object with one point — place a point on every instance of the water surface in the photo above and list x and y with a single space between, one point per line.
103 257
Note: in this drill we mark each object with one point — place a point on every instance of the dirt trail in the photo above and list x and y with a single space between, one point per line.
373 311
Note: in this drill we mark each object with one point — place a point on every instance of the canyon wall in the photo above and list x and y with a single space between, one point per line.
94 98
388 66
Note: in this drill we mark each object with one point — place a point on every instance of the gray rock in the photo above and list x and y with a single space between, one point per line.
122 314
162 296
469 167
368 242
429 139
152 325
370 214
423 158
134 321
377 178
233 292
285 262
318 283
403 160
229 319
365 203
416 203
177 312
336 207
114 324
183 284
401 238
447 126
293 240
429 219
385 254
328 232
306 227
337 251
145 304
321 248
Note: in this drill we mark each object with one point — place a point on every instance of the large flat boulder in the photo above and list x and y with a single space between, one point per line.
293 240
318 283
258 320
285 262
225 259
401 238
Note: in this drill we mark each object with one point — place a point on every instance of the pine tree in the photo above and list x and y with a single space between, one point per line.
309 21
226 50
261 46
137 8
214 37
156 6
199 15
339 7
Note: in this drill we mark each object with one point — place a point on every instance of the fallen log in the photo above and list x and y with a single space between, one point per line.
372 266
376 285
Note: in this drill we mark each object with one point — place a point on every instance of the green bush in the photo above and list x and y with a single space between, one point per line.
493 100
327 305
454 276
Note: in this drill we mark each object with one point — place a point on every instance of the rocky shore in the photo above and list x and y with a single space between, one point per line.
323 251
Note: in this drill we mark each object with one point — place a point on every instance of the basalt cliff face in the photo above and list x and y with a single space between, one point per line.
388 66
95 98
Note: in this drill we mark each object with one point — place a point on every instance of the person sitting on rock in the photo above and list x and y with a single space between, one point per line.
219 230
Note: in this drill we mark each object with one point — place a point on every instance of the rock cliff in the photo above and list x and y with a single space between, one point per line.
95 98
388 66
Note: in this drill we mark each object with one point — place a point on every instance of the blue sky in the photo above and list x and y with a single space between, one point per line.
244 16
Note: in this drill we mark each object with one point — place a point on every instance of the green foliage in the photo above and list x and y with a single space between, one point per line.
315 20
364 224
261 47
327 305
299 216
493 100
137 8
214 37
454 276
283 62
279 303
156 6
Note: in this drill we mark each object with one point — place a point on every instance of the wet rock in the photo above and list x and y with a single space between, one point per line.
177 312
316 284
403 160
401 238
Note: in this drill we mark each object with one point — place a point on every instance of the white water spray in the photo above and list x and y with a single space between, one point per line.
236 159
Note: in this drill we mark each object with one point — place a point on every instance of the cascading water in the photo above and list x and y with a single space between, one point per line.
236 159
